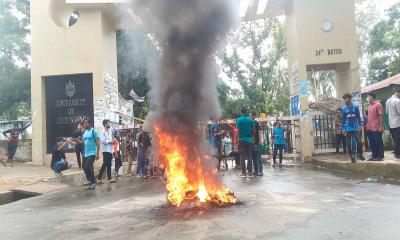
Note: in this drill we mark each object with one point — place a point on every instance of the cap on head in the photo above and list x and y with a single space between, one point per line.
398 90
59 139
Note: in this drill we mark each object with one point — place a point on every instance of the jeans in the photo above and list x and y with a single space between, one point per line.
141 159
278 147
60 166
353 140
245 150
258 168
107 158
376 143
79 153
340 140
118 162
235 155
89 169
396 140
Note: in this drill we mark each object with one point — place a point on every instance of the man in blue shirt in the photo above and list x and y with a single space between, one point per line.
216 141
245 126
352 126
91 141
279 142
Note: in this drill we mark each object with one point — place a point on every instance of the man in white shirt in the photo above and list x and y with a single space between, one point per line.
107 143
393 111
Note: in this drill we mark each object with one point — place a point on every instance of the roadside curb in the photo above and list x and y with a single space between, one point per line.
383 170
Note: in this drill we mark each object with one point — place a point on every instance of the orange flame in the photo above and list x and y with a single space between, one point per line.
188 176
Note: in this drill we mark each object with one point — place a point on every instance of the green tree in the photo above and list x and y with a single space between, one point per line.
136 54
384 46
366 18
14 60
262 74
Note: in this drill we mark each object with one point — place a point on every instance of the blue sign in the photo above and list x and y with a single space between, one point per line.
303 88
295 105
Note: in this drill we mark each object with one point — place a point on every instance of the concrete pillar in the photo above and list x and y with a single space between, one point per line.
89 46
320 35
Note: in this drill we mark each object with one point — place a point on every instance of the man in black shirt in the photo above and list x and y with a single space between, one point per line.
77 135
258 168
58 159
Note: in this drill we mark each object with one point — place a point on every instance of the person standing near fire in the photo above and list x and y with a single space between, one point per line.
13 140
131 154
216 141
256 154
245 126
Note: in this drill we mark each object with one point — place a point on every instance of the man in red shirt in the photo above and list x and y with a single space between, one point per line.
375 128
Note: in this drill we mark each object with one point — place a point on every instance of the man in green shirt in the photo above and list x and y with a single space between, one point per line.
245 126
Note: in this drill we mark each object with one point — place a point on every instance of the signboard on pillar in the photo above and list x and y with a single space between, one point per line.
69 99
295 105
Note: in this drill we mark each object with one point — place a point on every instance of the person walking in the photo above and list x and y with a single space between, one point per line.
279 143
340 138
393 111
375 128
352 126
245 126
77 135
91 142
117 154
107 145
256 155
13 140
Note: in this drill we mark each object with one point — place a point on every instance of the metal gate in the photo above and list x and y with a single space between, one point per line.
324 133
290 123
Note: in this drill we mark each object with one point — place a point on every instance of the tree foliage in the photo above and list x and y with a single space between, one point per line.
256 59
136 55
384 46
14 60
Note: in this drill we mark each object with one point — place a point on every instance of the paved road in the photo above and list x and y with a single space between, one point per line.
290 203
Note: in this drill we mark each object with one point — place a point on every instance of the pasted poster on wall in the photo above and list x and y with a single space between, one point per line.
111 92
303 88
69 99
295 105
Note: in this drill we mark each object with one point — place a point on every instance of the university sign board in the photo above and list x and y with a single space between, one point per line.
69 100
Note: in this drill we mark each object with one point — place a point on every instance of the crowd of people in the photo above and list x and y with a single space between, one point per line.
350 124
241 142
87 141
245 146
